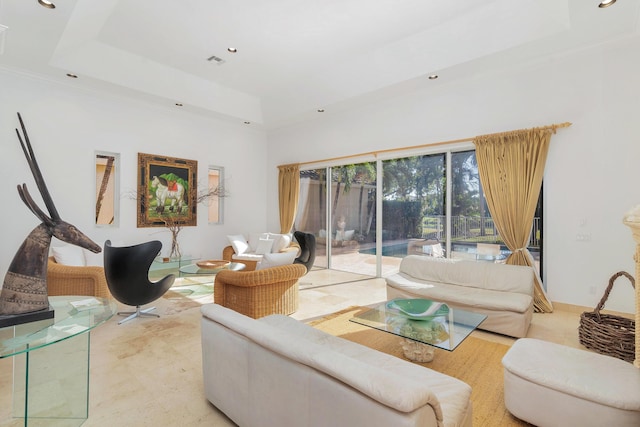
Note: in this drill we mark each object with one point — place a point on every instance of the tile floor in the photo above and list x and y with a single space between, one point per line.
147 372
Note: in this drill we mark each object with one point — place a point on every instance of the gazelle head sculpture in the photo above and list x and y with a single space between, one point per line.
24 289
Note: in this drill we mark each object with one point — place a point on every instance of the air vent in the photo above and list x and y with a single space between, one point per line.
3 29
216 59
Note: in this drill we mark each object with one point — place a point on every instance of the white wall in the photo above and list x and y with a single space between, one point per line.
591 177
67 125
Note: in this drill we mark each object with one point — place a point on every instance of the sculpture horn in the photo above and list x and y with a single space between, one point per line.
35 170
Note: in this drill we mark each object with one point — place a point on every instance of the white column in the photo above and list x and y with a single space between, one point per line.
632 220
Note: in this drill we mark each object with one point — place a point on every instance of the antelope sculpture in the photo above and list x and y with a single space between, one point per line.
24 289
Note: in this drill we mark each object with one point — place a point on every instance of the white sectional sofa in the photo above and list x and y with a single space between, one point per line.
503 292
278 371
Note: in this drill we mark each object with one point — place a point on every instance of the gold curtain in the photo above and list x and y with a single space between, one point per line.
511 166
288 192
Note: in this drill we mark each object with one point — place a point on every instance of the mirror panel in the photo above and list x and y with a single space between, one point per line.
215 181
107 188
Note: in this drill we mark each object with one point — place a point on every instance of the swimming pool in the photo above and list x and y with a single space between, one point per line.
398 250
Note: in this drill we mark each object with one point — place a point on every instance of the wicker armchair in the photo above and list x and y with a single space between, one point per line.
259 293
73 280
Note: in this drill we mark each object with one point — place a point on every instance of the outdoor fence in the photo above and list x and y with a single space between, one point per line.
471 229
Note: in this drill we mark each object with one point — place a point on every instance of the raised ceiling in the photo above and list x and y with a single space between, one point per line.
293 56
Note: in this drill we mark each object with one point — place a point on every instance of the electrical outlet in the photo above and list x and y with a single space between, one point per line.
583 237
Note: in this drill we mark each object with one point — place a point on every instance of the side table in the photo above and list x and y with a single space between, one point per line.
51 363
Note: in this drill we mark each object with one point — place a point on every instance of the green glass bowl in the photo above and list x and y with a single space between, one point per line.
419 309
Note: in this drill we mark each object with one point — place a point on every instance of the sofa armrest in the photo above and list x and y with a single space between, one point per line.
227 253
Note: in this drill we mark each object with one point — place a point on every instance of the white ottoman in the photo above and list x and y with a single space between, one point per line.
549 384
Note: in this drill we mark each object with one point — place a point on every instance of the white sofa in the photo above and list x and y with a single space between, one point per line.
503 292
278 371
254 248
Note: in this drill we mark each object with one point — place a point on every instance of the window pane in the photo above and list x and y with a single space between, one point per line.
311 215
473 232
413 208
353 205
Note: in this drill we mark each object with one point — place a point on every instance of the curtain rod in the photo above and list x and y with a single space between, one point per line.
553 127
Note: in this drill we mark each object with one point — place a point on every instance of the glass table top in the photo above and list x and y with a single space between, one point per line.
74 315
194 269
445 331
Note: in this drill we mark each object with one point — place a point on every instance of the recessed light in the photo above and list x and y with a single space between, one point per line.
320 110
606 3
179 104
73 76
433 76
232 49
47 4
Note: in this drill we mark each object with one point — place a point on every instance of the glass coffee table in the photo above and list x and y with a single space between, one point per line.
421 334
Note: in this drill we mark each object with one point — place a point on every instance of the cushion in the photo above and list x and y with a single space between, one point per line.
280 241
93 259
348 235
264 246
239 243
276 260
254 239
69 255
322 233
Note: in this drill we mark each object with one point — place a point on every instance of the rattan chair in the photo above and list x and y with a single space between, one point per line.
259 293
76 280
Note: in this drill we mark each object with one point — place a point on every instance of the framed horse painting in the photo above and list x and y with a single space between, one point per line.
167 191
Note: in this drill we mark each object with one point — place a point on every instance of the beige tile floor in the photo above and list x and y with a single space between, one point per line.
147 372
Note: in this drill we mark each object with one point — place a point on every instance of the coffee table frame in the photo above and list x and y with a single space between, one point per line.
421 337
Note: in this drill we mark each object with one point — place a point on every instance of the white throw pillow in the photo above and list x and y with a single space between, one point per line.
69 255
276 260
93 259
348 235
254 239
239 243
264 246
280 241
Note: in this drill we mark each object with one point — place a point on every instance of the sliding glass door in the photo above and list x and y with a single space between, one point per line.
311 215
352 217
413 207
367 216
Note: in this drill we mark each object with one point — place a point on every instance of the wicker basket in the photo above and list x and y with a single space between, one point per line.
606 333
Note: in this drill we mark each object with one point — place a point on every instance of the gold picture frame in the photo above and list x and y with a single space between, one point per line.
167 191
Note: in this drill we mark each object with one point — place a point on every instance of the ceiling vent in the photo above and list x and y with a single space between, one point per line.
3 29
216 59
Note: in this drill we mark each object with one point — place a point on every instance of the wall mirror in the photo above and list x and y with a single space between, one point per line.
107 188
215 184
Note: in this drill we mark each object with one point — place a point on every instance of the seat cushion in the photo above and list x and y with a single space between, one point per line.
590 376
